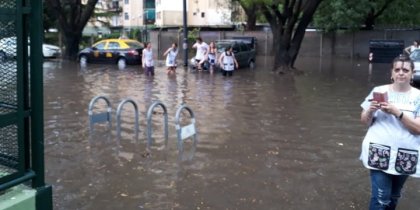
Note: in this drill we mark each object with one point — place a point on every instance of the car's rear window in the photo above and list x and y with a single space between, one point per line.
135 45
221 46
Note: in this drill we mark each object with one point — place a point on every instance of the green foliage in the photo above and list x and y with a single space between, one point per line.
401 14
51 38
333 15
341 14
193 35
114 35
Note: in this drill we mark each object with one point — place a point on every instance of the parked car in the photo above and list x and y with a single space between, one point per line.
415 57
243 53
8 49
114 51
249 40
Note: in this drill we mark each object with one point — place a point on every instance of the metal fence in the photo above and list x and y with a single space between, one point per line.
21 98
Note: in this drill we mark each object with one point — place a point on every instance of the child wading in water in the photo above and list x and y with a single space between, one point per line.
147 60
171 54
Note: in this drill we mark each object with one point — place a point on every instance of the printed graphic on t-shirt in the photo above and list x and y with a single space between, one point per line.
379 156
406 161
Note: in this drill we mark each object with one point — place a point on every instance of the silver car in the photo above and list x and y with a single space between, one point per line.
415 57
8 49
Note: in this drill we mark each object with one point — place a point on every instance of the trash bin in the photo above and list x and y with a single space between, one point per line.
384 51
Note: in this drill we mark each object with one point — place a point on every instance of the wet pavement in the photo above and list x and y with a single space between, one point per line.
265 141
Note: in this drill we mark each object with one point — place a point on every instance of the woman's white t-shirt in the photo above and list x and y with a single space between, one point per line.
388 145
171 58
202 49
148 57
228 61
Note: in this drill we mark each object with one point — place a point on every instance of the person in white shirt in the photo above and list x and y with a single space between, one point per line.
228 62
201 53
212 56
147 60
390 149
171 54
413 47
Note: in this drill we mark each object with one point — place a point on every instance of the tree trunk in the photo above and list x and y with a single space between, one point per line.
370 21
288 27
72 17
250 11
251 22
282 59
71 41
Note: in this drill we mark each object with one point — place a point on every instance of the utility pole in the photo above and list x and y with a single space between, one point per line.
185 30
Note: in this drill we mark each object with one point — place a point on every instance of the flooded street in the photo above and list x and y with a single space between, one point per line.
265 141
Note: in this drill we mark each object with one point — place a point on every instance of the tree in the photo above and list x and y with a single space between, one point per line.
336 15
72 17
250 9
288 20
401 13
376 9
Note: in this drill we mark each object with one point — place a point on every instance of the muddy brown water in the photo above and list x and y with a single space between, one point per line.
265 141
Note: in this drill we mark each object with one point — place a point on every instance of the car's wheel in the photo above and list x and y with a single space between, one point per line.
2 56
121 63
83 60
251 64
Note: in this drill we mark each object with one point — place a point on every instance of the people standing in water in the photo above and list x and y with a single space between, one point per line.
390 148
201 53
413 47
171 55
147 60
228 62
212 56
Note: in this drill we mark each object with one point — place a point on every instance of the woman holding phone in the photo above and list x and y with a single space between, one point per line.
390 149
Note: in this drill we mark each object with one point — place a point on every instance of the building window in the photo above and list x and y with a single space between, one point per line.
126 16
203 14
126 2
115 5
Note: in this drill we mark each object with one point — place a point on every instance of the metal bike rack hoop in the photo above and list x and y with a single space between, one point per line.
101 116
136 116
186 131
149 122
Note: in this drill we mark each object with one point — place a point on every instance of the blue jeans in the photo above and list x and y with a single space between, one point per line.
386 190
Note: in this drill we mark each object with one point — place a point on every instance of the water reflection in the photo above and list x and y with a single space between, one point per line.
264 140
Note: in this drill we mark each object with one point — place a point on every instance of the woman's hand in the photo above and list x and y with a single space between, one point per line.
374 106
389 108
367 115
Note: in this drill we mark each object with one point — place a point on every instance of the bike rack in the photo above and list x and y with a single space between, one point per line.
136 117
186 131
149 123
99 117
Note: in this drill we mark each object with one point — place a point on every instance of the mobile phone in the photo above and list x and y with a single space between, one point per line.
380 97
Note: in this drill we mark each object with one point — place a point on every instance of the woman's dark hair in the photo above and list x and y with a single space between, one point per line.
403 58
228 48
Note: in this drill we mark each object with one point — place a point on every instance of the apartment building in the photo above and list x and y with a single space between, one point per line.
107 16
136 14
216 13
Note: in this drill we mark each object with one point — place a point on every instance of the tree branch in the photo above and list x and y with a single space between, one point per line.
85 15
380 11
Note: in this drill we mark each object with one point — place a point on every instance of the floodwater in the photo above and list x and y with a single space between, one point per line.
265 141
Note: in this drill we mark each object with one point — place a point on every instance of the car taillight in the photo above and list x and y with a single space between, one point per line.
133 52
